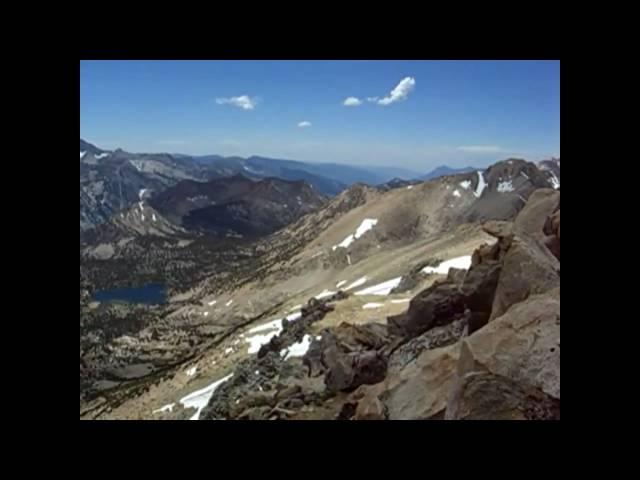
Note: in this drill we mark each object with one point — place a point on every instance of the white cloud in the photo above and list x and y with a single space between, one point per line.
482 149
244 102
401 92
372 99
304 124
352 102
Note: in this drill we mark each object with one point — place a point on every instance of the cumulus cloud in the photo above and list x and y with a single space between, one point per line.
304 124
352 102
244 102
372 99
482 149
401 92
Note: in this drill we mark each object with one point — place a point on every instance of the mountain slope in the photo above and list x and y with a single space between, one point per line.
113 181
237 205
364 240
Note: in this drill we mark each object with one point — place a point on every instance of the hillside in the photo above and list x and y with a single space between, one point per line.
384 250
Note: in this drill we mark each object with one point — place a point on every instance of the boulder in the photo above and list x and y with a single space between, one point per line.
540 205
552 233
347 371
514 357
485 396
439 304
435 338
528 268
479 289
417 391
370 336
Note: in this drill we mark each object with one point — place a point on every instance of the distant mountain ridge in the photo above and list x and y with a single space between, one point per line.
444 170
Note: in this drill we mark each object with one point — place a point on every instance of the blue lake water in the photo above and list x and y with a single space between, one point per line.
151 294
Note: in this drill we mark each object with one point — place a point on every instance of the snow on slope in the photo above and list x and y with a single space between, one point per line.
463 262
366 225
481 184
382 288
200 398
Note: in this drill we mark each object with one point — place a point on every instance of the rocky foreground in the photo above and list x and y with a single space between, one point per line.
480 344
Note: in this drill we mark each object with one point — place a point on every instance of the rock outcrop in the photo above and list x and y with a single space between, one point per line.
508 364
511 367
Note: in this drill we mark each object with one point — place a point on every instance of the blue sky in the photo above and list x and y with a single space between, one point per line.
456 113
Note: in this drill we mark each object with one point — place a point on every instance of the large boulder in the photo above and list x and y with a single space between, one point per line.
349 356
511 367
417 391
479 289
533 216
552 233
347 371
439 304
486 396
370 336
528 268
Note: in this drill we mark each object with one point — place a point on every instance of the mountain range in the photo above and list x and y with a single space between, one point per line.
111 181
284 302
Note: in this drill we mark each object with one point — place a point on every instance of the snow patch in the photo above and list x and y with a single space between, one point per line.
153 217
409 187
466 184
136 164
401 300
297 349
345 243
463 262
481 184
256 341
205 313
297 307
504 187
277 324
212 303
372 305
456 193
382 288
166 408
192 371
555 183
319 337
348 259
324 293
142 218
357 283
525 175
366 225
200 398
101 155
82 154
141 193
318 254
228 303
340 283
228 351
